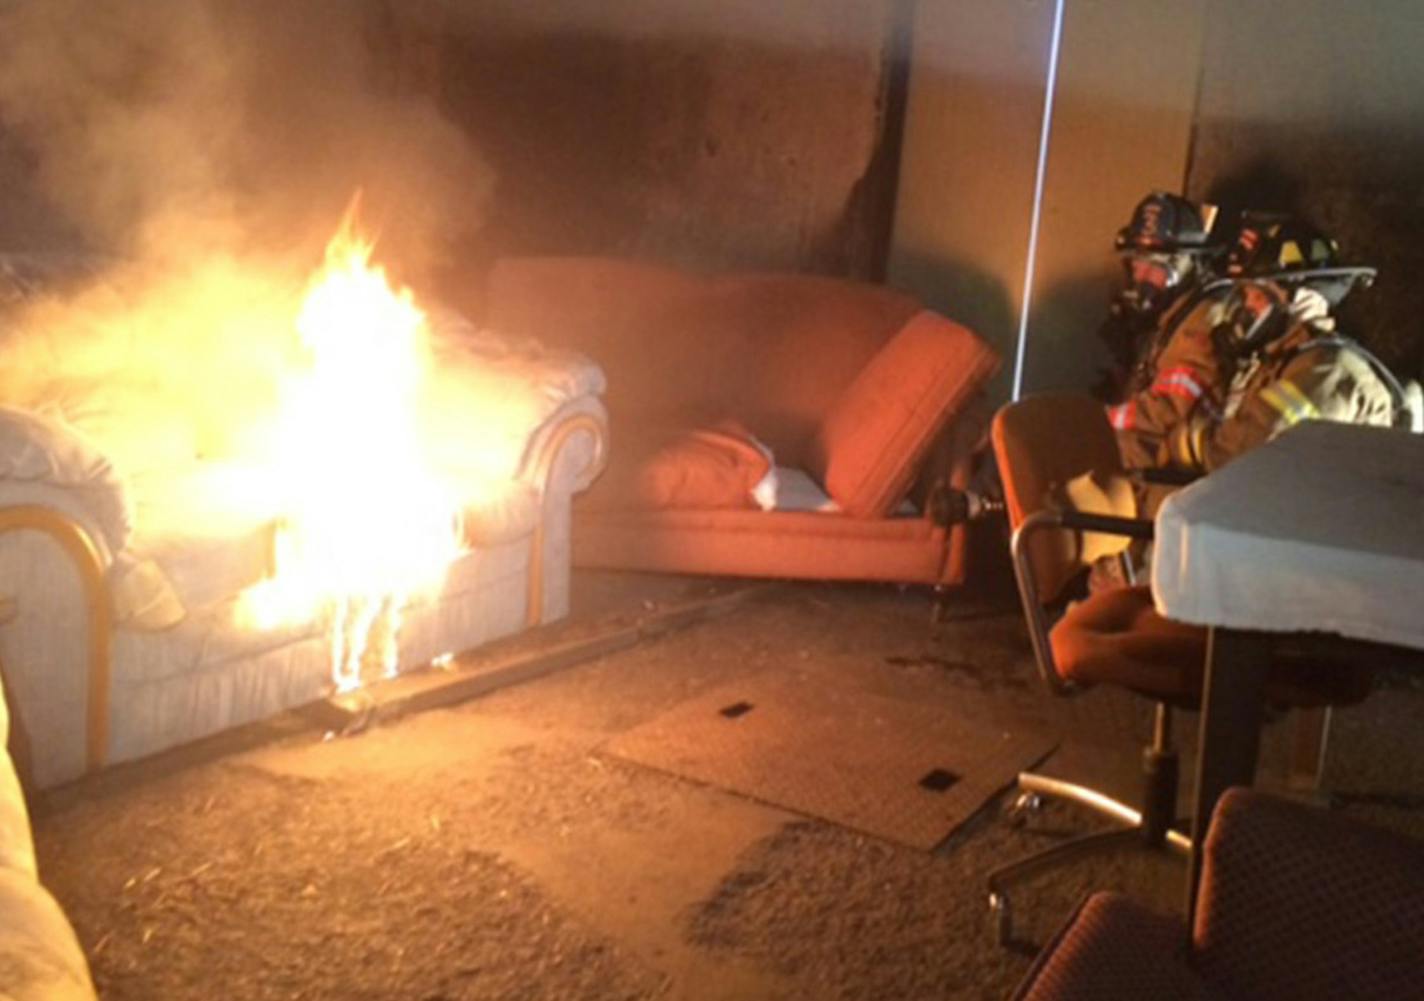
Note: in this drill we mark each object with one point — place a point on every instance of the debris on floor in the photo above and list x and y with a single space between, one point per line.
492 849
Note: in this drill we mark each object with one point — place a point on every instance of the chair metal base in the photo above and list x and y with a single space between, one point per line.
1134 833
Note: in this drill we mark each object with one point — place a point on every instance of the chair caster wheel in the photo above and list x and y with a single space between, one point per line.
1001 915
1024 805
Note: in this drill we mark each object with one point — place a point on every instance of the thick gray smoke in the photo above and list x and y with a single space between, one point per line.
168 128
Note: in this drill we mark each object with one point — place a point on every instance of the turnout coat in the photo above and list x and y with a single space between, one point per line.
1307 374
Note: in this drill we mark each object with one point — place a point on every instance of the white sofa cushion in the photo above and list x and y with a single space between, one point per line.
207 525
210 531
488 393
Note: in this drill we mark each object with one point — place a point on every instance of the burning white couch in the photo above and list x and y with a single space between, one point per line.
131 549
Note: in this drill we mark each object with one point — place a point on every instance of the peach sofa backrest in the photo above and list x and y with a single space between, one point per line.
774 351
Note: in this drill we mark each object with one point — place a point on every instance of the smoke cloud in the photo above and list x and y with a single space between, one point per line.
165 128
206 149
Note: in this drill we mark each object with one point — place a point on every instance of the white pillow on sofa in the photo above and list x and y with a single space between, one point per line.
38 452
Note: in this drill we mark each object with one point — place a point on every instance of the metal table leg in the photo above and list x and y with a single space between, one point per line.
1310 735
1232 700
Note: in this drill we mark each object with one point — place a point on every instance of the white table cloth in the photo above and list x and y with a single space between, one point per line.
1320 529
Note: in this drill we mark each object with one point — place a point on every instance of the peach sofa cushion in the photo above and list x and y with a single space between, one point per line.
872 439
693 468
777 544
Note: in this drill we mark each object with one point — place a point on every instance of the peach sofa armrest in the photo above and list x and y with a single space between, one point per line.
872 442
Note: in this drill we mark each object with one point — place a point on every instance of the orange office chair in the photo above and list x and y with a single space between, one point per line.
1053 452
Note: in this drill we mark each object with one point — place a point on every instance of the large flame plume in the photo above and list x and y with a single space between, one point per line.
367 524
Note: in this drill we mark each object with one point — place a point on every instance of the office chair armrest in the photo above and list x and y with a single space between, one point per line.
1168 476
1038 626
1108 524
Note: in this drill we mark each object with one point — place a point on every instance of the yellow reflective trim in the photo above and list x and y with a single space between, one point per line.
1290 254
1278 402
1303 403
1286 398
1182 446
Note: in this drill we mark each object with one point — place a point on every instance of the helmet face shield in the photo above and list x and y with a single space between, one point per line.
1150 278
1150 269
1162 248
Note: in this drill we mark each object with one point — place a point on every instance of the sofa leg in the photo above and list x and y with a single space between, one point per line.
939 605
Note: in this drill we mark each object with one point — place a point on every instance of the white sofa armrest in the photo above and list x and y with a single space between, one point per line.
569 450
64 514
564 455
55 644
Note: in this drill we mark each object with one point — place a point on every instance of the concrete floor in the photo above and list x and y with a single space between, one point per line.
490 850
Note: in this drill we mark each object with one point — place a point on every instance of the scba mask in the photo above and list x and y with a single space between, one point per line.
1149 280
1253 315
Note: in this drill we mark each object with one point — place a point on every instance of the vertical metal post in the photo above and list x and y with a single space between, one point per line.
1050 88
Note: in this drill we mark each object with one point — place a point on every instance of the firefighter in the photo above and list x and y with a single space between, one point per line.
1188 372
1166 250
1290 366
1185 368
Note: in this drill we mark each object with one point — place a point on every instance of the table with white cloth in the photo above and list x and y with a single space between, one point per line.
1320 530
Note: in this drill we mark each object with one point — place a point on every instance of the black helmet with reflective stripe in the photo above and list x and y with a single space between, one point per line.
1288 250
1268 244
1168 224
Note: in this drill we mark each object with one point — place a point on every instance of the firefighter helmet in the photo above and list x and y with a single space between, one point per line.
1168 224
1278 246
1268 244
1161 247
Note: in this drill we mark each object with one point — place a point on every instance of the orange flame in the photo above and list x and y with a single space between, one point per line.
367 524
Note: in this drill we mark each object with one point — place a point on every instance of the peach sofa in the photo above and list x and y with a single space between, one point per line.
865 401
